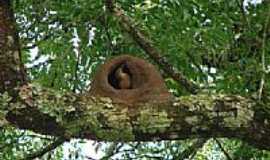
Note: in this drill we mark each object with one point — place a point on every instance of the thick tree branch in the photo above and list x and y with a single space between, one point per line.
148 47
11 70
201 116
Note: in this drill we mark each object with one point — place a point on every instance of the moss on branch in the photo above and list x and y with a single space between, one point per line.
69 115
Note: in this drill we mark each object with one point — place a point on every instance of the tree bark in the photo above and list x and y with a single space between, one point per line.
11 69
201 116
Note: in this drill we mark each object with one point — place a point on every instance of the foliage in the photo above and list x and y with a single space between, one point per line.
15 144
217 43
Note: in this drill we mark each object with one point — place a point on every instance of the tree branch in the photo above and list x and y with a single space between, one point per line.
45 150
98 118
147 45
223 150
12 72
192 149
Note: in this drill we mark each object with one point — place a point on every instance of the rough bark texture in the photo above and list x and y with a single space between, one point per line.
11 70
49 112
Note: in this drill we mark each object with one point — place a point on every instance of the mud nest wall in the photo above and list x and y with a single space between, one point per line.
129 80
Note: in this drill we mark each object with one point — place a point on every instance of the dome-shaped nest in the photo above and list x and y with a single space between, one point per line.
129 80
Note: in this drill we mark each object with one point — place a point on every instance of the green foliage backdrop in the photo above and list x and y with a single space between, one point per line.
221 45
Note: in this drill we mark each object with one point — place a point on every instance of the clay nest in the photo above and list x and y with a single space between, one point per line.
146 83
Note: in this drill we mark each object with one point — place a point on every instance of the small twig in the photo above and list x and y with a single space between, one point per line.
39 136
240 4
223 150
45 150
147 46
263 56
114 149
53 79
76 70
192 149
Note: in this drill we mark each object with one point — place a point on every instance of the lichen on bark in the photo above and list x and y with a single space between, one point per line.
152 120
60 113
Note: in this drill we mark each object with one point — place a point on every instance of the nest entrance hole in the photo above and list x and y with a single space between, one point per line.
113 78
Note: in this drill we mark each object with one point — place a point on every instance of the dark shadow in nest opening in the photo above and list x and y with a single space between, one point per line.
112 77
